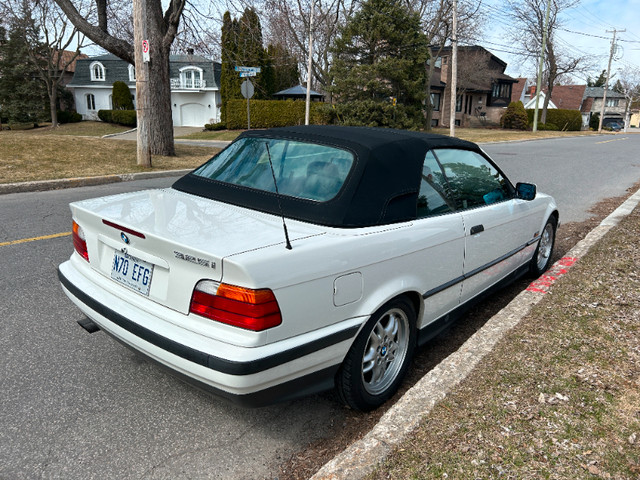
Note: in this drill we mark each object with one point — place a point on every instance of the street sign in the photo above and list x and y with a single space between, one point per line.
247 74
145 50
247 69
247 89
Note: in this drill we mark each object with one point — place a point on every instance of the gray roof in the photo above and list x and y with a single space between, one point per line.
298 90
117 69
598 92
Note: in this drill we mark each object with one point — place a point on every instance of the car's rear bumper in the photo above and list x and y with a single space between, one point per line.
251 376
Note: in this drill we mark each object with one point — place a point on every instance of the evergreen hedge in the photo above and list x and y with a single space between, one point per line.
122 98
121 117
275 113
565 120
69 116
515 117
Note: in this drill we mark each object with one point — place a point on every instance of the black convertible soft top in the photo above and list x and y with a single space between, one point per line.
382 187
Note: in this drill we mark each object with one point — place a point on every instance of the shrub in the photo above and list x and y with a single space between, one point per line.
69 116
565 120
105 116
515 117
594 122
215 126
121 117
371 113
274 113
122 99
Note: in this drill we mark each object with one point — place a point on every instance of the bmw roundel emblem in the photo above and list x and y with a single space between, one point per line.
124 238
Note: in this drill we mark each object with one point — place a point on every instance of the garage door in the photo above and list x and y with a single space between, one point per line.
193 115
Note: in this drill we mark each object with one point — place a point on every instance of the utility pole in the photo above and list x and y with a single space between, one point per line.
541 66
606 84
454 71
142 57
309 65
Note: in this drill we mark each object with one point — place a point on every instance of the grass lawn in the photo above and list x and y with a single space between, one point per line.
210 135
76 150
89 129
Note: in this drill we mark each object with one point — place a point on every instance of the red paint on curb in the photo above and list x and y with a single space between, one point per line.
544 283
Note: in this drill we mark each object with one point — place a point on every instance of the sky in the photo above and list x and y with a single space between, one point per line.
587 30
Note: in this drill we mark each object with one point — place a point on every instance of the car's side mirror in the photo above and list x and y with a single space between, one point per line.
526 191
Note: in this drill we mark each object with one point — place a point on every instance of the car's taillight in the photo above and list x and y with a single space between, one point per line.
241 307
80 241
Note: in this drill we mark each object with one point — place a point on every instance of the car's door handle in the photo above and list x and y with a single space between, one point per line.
477 229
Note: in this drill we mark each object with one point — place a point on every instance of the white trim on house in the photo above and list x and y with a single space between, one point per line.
98 72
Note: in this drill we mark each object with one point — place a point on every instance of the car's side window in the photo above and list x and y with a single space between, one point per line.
434 196
472 179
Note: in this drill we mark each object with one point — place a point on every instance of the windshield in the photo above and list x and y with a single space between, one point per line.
302 170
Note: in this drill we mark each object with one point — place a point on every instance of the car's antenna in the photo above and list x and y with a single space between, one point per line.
275 183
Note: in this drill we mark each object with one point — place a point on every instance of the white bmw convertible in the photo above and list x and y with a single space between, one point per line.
306 258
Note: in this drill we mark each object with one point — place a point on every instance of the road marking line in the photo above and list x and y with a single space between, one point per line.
33 239
614 140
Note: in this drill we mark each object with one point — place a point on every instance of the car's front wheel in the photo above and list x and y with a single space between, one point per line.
378 359
542 257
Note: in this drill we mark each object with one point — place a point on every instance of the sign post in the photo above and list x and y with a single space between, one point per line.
246 88
247 91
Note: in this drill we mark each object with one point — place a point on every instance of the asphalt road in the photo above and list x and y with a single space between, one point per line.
76 405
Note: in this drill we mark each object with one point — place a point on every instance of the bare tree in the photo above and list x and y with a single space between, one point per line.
48 44
527 31
629 85
162 28
288 22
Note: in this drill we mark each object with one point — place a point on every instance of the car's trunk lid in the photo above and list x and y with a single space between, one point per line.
174 238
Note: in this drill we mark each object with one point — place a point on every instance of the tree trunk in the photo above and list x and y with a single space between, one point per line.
159 104
161 31
53 100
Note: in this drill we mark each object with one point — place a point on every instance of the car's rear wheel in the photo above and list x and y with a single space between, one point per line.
378 359
542 257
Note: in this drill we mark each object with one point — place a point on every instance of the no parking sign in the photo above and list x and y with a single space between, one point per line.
145 50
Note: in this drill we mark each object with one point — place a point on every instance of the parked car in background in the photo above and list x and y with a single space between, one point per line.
305 258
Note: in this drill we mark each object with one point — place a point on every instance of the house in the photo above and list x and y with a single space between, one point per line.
614 109
195 87
574 97
484 90
568 97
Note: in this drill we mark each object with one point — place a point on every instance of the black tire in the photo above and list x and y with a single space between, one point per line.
544 252
380 356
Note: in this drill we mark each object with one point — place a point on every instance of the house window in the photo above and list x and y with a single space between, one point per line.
459 104
613 102
97 72
191 77
501 90
435 101
91 101
132 73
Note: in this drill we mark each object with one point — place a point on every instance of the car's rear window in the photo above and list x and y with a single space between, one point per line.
301 170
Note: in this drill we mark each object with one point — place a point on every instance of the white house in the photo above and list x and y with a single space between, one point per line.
195 87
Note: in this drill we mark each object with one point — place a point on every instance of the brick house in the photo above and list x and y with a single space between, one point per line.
483 93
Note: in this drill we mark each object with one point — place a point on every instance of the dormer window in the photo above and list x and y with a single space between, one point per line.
191 77
97 72
132 73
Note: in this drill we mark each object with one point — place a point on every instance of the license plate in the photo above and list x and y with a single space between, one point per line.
132 272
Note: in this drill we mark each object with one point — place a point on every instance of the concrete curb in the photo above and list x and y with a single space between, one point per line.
41 185
362 456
